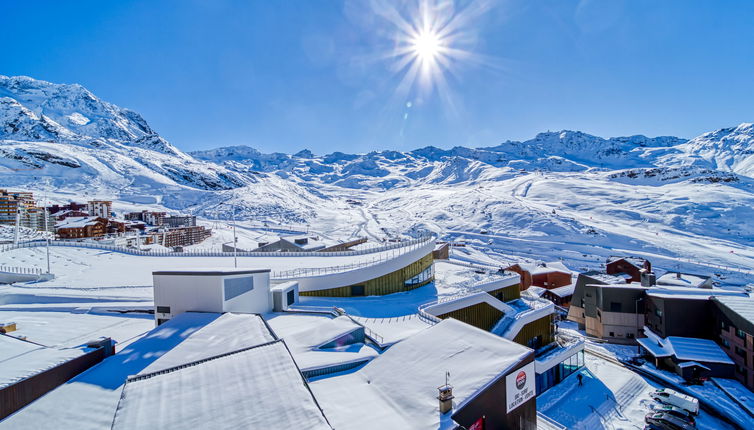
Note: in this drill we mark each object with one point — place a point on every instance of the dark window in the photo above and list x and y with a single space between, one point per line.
612 334
234 287
658 312
740 369
740 352
615 307
726 343
599 314
357 290
291 297
740 333
163 309
630 335
161 321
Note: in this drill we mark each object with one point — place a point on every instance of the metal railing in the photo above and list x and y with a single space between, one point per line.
21 270
204 253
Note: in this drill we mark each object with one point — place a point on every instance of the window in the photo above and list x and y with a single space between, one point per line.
357 290
740 333
615 307
234 287
163 309
658 312
629 335
740 352
612 334
291 297
740 369
726 343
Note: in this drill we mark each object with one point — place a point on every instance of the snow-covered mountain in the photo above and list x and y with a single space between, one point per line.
567 189
83 143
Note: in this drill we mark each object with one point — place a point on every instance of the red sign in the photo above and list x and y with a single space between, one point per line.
520 380
478 424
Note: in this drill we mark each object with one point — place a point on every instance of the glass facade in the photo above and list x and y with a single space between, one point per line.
557 373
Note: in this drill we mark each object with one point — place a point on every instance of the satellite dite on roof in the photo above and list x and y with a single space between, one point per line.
210 290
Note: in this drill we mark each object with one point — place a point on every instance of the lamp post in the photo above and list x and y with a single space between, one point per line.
638 346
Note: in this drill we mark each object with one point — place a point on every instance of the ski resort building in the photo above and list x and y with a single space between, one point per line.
734 320
545 275
691 358
628 268
100 208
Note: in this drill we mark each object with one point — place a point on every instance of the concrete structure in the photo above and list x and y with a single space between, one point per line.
211 290
411 269
100 208
21 205
179 221
614 312
576 311
284 295
181 236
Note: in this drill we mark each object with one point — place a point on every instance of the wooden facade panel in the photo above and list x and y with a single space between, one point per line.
541 328
507 294
394 282
480 315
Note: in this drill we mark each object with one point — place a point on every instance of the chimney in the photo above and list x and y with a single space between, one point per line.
648 279
678 275
446 395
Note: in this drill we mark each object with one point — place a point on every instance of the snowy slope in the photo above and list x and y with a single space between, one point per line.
562 194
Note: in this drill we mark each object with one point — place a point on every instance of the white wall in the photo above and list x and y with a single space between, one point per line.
256 301
363 274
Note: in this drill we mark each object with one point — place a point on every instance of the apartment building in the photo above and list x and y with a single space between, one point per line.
735 332
100 208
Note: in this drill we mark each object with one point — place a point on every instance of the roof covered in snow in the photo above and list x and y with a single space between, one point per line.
20 359
691 293
540 268
684 348
259 387
634 261
77 222
739 309
89 400
678 279
564 291
379 396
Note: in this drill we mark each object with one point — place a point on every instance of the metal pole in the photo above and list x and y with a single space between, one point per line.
47 235
235 239
638 346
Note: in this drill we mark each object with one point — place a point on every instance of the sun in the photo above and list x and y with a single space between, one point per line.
427 46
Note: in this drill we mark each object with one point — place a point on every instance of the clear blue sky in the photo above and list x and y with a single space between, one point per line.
295 74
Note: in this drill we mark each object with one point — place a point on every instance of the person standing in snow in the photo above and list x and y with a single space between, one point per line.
580 377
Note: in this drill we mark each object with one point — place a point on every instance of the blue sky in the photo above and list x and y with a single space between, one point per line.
319 74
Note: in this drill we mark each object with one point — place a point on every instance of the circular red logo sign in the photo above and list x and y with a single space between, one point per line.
520 380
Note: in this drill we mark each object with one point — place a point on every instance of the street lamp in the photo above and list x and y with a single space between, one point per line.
638 346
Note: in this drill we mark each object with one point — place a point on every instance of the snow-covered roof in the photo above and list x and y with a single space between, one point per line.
691 293
677 279
310 337
89 400
634 261
20 359
684 348
259 387
742 306
604 277
77 222
564 291
542 267
380 396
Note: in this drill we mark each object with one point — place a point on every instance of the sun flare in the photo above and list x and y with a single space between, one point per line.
427 46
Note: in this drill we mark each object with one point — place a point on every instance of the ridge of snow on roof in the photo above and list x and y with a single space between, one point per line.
380 396
637 262
686 279
260 387
77 222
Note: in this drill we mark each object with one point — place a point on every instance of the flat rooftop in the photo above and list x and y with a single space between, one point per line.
20 359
